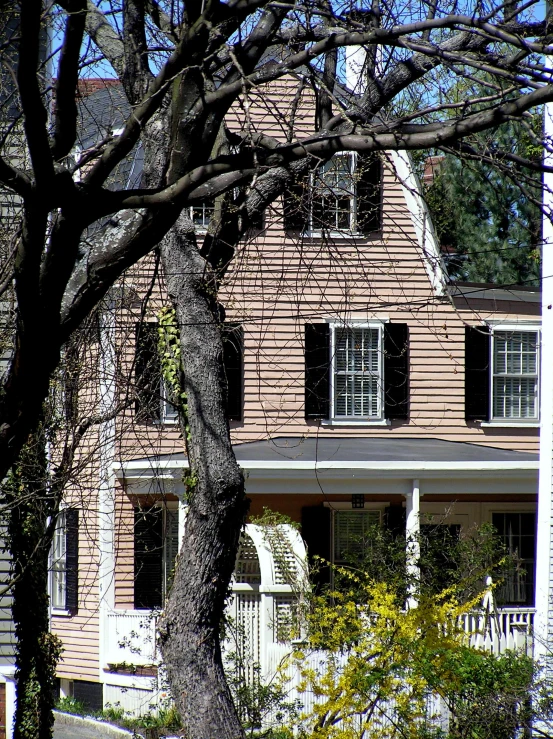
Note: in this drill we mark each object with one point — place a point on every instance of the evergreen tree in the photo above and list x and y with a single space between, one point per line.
488 219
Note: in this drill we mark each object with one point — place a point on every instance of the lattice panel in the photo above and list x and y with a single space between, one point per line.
284 618
247 568
285 565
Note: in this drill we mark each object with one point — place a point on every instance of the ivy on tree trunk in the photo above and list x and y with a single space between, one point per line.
29 532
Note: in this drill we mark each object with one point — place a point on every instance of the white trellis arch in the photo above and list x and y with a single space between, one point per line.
270 573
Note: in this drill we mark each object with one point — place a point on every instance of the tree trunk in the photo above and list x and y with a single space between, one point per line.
29 537
189 632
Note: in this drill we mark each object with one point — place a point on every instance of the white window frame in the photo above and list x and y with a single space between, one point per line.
515 328
57 580
168 415
365 420
314 229
200 229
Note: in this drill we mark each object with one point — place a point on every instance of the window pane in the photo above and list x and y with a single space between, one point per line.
351 533
515 398
515 382
201 214
59 564
515 352
357 372
333 195
517 531
169 410
58 588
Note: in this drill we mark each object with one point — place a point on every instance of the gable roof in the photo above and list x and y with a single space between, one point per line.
104 109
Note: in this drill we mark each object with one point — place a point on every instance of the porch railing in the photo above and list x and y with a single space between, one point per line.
263 602
501 629
130 638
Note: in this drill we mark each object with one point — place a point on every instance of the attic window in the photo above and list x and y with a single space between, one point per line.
333 195
342 197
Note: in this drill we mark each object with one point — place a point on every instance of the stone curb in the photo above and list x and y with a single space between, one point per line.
107 730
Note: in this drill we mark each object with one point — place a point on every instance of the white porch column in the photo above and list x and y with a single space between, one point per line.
544 561
412 539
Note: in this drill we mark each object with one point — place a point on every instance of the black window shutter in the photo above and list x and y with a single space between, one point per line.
296 205
395 519
369 193
147 374
477 373
317 370
316 532
396 371
233 357
72 560
148 557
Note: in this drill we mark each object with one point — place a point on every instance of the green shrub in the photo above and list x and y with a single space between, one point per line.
72 705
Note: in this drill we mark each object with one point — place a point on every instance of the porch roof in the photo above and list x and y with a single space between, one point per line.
339 453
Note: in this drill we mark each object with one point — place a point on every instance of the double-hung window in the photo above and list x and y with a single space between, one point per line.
58 569
502 365
155 402
64 563
333 205
357 372
515 379
352 534
342 196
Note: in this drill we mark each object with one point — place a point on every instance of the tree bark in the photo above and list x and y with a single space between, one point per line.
189 631
29 537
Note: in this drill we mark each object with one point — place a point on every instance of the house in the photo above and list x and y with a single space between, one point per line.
363 387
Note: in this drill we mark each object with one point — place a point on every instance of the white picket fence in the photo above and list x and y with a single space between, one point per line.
385 714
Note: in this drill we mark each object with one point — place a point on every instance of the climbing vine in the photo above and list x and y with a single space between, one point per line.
171 371
33 506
